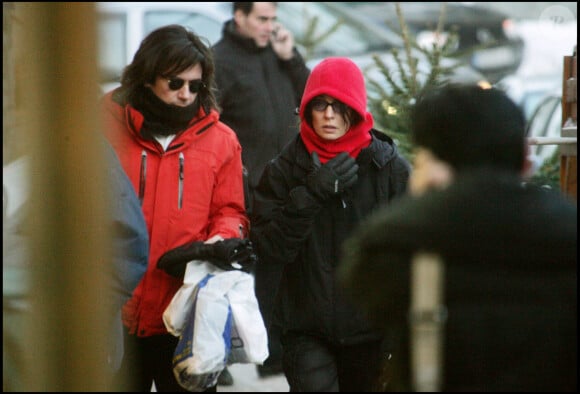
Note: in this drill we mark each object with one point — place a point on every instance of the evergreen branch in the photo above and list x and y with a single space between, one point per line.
406 40
397 90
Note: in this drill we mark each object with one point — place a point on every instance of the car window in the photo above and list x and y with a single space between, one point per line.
198 23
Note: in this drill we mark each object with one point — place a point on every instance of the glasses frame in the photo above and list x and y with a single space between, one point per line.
320 105
176 83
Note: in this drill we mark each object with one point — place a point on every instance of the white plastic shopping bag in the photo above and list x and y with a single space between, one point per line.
178 310
219 323
202 351
249 340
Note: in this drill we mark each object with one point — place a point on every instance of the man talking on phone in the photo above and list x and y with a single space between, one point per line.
260 78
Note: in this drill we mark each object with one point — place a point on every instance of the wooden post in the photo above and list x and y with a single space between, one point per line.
568 153
427 322
55 95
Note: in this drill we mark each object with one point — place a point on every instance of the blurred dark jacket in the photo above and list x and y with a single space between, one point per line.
510 263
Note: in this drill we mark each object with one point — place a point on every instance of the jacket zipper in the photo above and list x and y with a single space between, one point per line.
181 176
142 176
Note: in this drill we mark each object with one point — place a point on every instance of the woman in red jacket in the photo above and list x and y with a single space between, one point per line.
186 168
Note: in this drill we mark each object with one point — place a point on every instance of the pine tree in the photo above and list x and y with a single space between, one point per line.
311 36
391 105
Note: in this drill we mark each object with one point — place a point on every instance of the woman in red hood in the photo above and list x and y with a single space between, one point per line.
335 173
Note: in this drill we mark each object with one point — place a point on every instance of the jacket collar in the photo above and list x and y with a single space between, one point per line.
134 121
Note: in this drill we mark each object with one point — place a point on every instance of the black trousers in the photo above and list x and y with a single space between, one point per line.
313 364
146 361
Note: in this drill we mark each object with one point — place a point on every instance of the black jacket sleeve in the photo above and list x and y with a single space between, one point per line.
283 214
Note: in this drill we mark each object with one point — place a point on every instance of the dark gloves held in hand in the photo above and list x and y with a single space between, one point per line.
229 254
333 177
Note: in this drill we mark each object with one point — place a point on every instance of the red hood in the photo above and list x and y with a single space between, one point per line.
340 78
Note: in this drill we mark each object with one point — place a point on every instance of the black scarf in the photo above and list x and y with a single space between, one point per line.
163 119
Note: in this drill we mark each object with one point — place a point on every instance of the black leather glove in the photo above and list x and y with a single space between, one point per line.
332 178
229 254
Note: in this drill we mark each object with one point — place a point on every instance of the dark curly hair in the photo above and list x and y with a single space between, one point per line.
168 51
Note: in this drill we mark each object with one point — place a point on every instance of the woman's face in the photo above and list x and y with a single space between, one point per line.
328 117
180 90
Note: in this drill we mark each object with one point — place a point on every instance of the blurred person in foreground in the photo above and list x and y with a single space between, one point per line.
186 168
129 247
130 251
260 78
508 252
332 175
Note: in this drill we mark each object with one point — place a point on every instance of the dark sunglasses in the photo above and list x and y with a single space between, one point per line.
320 105
177 83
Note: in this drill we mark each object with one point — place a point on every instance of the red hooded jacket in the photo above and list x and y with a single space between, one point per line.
190 192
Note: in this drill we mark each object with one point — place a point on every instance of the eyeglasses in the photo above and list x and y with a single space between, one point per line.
177 83
320 105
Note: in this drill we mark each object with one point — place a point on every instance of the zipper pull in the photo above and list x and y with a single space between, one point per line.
142 175
181 177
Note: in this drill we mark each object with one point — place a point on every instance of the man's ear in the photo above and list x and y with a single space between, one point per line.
238 17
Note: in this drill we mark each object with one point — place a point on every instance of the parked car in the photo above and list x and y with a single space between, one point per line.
487 40
122 26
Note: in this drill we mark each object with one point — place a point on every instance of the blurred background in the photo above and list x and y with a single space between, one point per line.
517 47
59 57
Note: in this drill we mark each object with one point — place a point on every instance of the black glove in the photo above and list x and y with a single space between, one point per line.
229 254
332 178
232 254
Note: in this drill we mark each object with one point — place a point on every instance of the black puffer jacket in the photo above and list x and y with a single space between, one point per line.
298 239
258 94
